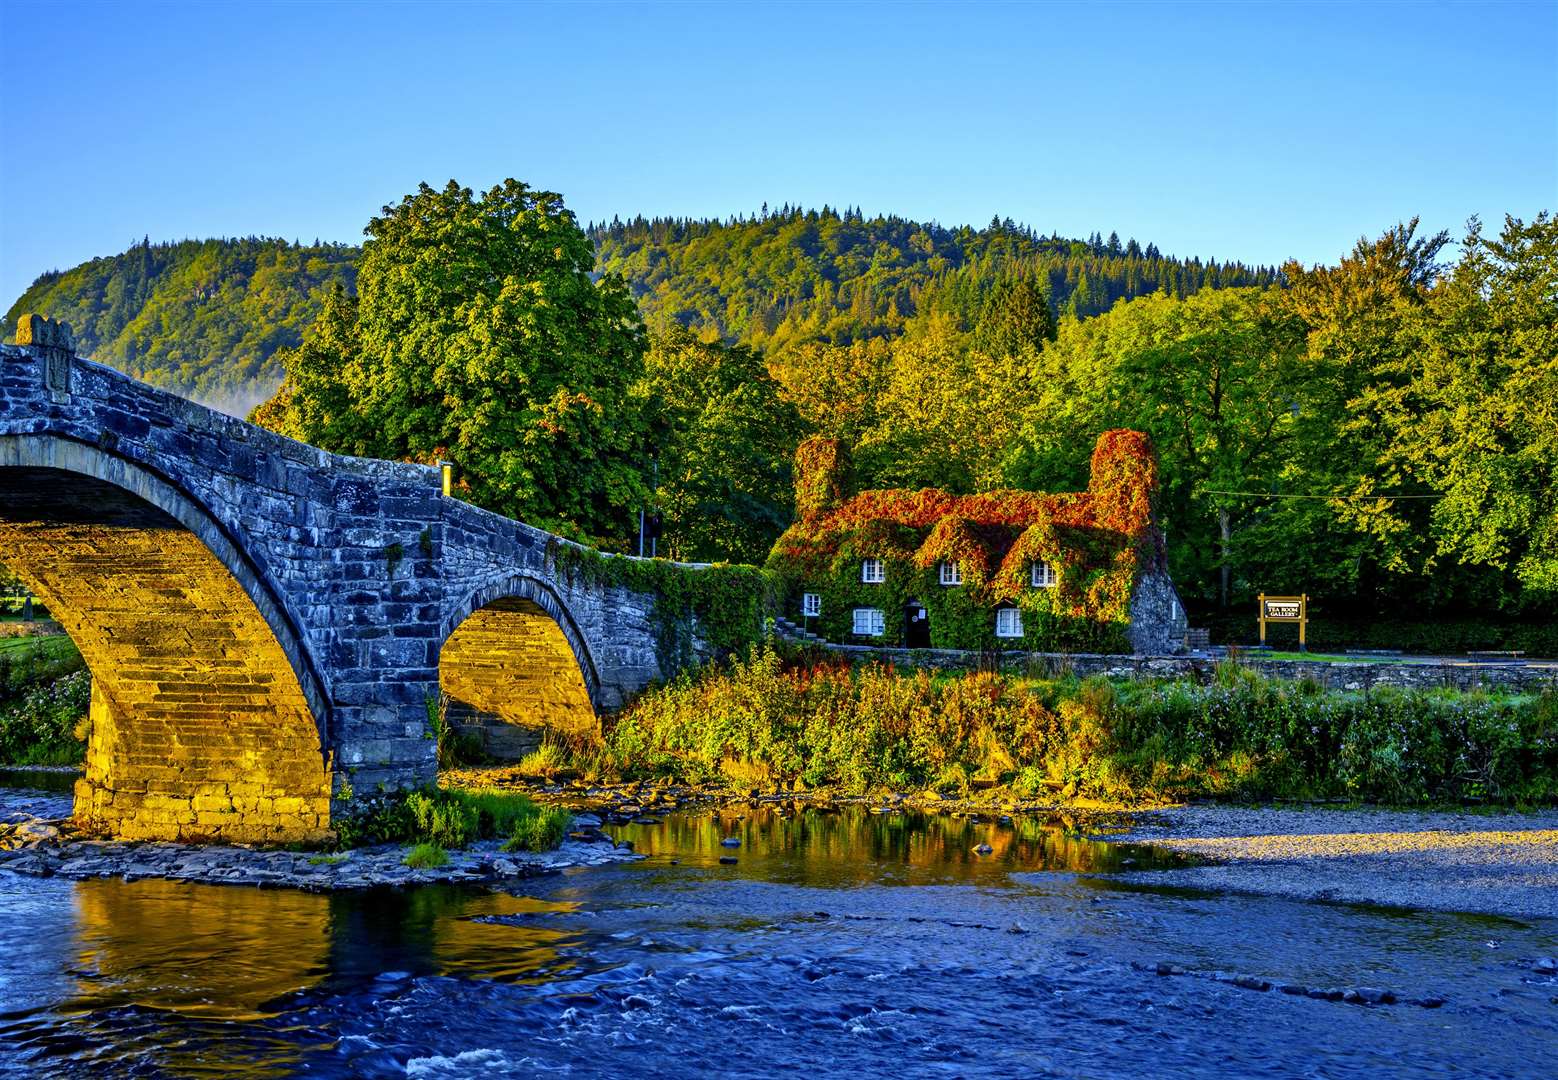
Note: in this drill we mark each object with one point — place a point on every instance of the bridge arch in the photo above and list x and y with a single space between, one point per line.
514 664
208 717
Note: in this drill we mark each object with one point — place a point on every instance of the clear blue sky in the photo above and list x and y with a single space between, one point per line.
1251 131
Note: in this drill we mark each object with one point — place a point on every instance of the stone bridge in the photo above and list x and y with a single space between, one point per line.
268 625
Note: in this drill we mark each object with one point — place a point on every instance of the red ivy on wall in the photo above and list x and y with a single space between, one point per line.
1098 540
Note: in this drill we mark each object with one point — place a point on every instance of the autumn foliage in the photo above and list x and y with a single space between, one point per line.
1098 541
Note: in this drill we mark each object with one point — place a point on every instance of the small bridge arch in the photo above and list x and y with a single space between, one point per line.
514 664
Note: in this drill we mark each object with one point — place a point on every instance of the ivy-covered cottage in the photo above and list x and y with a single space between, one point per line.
1080 571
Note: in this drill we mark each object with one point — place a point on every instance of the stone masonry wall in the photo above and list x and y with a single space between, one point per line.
1331 675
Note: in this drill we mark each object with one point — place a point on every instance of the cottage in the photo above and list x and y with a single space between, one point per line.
1080 571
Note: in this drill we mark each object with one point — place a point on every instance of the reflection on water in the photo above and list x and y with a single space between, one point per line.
208 953
851 845
200 978
24 779
810 952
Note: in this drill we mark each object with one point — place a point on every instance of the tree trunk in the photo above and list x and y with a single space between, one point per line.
1226 532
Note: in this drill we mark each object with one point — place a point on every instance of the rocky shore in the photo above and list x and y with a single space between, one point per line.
47 849
1496 864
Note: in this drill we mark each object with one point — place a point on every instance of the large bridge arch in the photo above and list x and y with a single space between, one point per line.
208 717
514 656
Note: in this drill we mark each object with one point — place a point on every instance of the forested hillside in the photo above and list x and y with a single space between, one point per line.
795 276
206 317
202 317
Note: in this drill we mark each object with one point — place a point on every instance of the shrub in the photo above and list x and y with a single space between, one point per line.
824 724
441 819
28 662
46 725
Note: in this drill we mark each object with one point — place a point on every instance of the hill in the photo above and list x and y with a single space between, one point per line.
206 317
201 317
781 279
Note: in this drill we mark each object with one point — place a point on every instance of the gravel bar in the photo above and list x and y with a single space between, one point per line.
1496 864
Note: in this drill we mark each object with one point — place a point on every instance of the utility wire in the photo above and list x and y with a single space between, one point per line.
1269 495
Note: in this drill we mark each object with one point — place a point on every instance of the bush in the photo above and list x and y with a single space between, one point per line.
28 662
812 723
441 819
426 857
47 725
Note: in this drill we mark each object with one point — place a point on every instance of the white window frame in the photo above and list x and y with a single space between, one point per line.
1008 622
870 622
873 571
811 604
951 573
1043 575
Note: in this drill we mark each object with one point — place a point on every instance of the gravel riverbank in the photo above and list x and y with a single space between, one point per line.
1497 864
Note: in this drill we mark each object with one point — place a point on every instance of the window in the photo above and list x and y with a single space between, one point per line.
869 622
1043 575
872 572
1008 622
951 573
811 604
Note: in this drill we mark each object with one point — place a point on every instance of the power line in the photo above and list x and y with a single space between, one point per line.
1269 495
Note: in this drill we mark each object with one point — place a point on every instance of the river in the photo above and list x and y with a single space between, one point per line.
839 944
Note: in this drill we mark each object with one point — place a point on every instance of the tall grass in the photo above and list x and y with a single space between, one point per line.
760 721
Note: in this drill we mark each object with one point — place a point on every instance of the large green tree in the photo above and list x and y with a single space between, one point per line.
478 334
1470 410
1219 382
723 440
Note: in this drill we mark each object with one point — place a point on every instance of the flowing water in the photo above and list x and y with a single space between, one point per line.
839 944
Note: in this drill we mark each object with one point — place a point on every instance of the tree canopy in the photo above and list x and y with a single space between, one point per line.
1381 431
478 335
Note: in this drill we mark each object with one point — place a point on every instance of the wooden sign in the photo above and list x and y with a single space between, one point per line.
1272 609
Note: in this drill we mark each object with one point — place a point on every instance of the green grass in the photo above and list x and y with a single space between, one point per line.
426 856
541 831
1330 658
454 818
44 693
42 643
